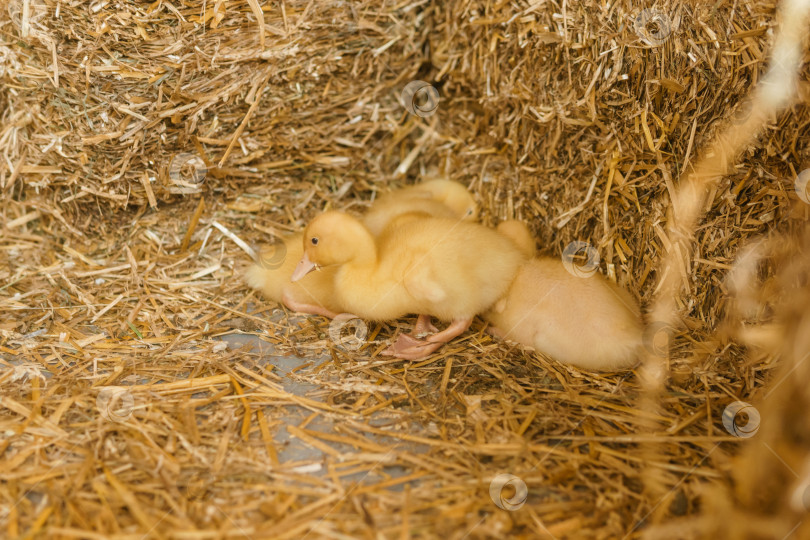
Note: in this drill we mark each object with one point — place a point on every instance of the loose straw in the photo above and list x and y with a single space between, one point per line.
776 91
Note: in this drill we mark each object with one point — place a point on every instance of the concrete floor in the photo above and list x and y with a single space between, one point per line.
292 449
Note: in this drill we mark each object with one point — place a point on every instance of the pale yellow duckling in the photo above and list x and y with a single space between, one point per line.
437 198
271 275
438 267
519 233
315 293
587 322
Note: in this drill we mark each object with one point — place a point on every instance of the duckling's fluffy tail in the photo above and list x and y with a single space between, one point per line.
275 264
267 280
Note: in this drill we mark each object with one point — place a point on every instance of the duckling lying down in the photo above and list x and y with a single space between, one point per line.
587 322
425 265
315 292
271 275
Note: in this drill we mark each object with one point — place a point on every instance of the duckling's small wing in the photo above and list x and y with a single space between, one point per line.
422 284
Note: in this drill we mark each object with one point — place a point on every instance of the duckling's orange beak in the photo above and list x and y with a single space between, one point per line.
304 267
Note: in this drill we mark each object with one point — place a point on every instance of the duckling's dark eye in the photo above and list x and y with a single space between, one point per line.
314 240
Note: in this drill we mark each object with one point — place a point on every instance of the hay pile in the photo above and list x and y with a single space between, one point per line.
139 139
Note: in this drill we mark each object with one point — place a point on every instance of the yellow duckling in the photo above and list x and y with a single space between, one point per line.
519 233
437 198
587 322
438 267
315 293
271 275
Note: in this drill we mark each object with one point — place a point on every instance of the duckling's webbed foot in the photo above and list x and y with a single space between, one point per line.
410 344
302 307
423 326
456 328
408 347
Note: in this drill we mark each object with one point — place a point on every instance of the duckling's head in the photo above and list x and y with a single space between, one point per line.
333 238
454 195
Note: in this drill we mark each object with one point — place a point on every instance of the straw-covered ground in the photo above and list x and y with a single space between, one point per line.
141 141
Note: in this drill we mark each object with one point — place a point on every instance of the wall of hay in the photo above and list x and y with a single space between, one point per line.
539 109
574 116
